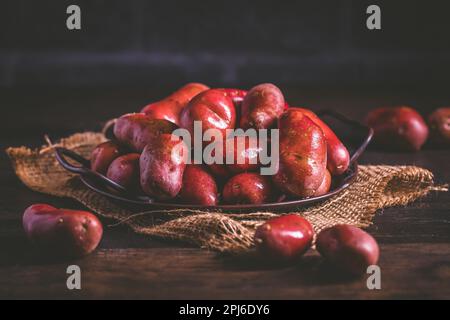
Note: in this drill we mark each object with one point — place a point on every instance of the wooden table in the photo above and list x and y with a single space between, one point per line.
414 240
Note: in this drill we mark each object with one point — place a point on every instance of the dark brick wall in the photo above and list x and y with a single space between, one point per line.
144 43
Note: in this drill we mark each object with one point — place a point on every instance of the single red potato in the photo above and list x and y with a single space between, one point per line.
338 158
325 185
248 188
286 237
68 233
199 187
398 128
261 107
103 155
349 248
136 130
169 108
124 170
303 155
162 164
439 122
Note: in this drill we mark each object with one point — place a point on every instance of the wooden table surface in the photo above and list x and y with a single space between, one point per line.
414 240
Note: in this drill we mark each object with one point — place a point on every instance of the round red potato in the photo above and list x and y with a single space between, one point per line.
439 122
338 158
213 108
286 237
198 187
169 108
136 130
261 107
63 232
124 170
248 188
398 128
162 164
303 155
103 155
349 248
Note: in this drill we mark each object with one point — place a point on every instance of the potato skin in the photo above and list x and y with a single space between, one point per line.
68 233
338 158
286 237
398 128
103 155
439 122
124 170
214 108
261 107
136 130
199 187
348 247
248 188
325 185
170 107
303 155
162 164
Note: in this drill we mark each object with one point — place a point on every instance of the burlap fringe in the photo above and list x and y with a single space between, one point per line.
376 187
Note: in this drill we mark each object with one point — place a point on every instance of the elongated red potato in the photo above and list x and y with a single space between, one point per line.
303 155
338 158
199 187
104 154
439 122
325 185
170 107
286 237
136 130
162 164
213 108
349 248
248 188
398 128
63 232
261 107
124 170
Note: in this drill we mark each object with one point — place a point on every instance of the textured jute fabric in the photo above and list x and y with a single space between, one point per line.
376 187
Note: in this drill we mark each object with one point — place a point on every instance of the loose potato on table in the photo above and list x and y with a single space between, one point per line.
104 154
439 122
124 170
199 187
248 188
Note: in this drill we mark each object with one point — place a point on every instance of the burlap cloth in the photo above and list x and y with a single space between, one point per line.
376 187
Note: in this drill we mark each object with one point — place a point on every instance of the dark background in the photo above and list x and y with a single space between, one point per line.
162 43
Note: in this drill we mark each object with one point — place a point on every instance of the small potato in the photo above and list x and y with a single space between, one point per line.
398 128
169 108
124 170
325 185
439 122
349 248
338 158
261 107
199 187
286 237
68 233
162 164
248 188
303 155
136 130
103 155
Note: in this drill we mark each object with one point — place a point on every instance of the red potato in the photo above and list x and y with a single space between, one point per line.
261 107
136 130
325 185
285 237
303 155
248 188
349 248
199 187
103 155
398 128
439 122
338 158
213 108
69 233
169 108
124 170
162 164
